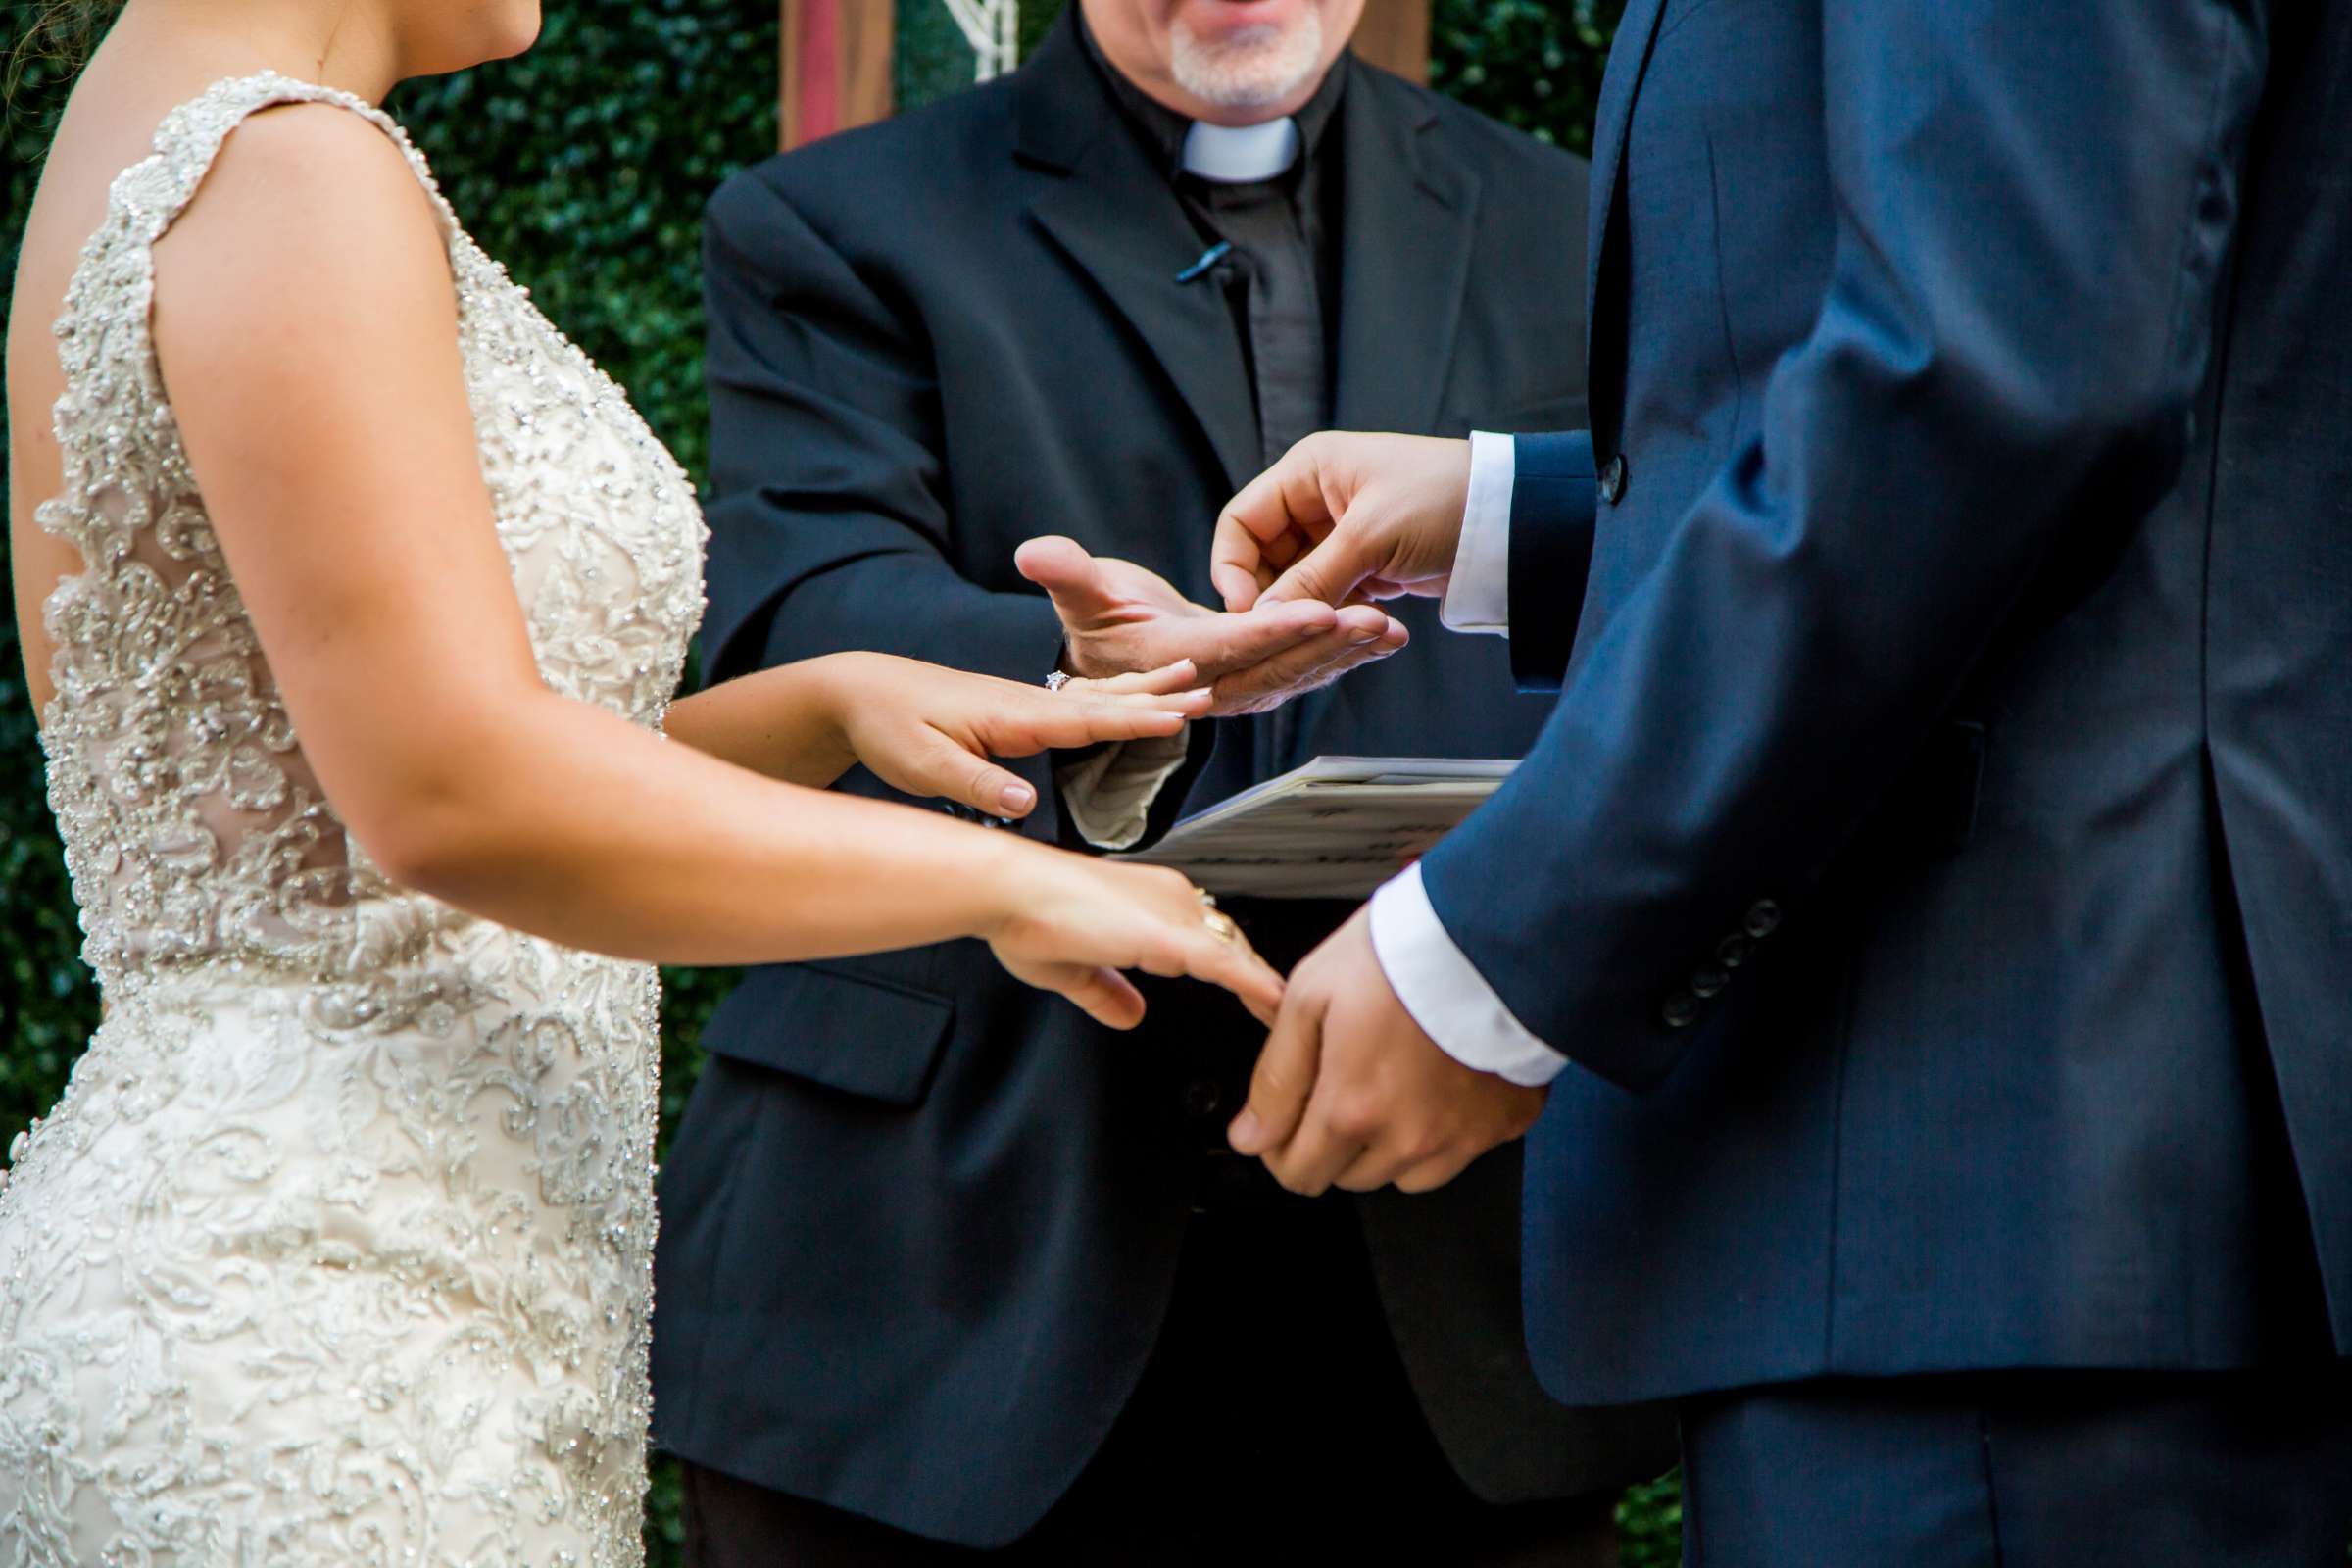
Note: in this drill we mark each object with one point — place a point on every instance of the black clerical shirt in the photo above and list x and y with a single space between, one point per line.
1282 279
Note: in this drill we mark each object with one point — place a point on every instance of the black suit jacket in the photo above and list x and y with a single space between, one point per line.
920 1221
1940 859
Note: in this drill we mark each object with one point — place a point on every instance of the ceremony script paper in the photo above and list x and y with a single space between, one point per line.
1337 828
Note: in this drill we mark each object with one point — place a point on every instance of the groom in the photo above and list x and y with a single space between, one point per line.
1924 922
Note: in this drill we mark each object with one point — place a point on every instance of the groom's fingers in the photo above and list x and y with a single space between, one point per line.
1316 1155
1432 1174
1332 572
1284 1078
1275 515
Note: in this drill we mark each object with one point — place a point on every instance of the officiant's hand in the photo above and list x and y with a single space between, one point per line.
1118 618
1350 1092
1345 518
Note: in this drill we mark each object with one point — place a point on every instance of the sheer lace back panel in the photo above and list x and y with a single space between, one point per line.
194 829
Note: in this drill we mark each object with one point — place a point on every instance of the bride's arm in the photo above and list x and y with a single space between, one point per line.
306 325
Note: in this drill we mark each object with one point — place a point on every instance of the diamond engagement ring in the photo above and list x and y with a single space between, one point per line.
1058 680
1220 924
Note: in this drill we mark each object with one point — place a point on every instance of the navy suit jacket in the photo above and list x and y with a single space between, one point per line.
1938 865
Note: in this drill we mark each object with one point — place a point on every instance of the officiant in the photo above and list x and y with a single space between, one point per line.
943 1264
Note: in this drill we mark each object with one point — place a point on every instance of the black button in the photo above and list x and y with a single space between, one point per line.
1763 918
1709 982
1732 952
1681 1010
1612 479
1203 1098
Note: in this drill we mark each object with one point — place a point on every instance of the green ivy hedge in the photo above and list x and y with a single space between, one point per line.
584 166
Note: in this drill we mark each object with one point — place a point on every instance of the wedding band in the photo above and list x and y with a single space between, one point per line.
1220 924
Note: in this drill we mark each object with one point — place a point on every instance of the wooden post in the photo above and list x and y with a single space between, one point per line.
835 69
1395 36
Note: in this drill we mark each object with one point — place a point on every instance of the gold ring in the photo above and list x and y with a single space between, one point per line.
1220 924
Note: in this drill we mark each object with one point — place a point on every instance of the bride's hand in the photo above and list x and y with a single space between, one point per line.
1072 923
930 732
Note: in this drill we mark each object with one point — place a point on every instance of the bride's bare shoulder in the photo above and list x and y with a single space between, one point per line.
312 221
310 178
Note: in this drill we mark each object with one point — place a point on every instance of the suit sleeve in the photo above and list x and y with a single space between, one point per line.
829 520
1553 502
2034 202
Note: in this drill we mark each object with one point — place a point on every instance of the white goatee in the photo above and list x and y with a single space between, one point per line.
1252 69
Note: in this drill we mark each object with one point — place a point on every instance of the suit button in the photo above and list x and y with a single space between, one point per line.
1612 479
1681 1010
1202 1099
1709 982
1732 952
1763 918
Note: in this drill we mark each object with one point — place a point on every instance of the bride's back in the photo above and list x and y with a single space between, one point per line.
194 824
107 127
220 266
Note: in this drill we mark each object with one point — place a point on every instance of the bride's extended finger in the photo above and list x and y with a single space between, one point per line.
1169 679
1085 722
1230 962
1105 996
1190 703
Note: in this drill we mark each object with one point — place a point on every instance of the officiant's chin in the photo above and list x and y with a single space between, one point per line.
1227 62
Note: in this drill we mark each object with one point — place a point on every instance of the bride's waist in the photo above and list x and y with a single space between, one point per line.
471 973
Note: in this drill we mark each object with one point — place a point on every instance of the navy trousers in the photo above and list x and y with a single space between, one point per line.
2023 1470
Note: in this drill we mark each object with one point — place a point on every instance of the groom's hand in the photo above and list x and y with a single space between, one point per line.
1345 518
1349 1091
1118 618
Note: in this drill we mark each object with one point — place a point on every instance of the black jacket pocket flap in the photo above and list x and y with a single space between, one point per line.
859 1034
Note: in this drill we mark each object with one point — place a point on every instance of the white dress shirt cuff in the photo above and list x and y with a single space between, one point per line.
1447 998
1108 796
1478 594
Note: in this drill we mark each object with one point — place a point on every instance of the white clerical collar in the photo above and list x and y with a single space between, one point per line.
1237 155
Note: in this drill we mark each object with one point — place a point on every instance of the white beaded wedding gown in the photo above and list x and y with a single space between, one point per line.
337 1247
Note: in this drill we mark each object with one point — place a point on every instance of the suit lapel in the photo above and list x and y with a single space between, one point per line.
1408 219
1113 215
1620 83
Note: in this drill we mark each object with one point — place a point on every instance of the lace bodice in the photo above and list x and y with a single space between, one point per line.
194 829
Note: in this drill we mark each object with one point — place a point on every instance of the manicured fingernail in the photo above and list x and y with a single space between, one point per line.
1017 797
1244 1133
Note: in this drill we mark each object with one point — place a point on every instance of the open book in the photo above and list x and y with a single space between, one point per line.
1337 828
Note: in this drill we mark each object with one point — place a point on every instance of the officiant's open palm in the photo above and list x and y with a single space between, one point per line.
1119 618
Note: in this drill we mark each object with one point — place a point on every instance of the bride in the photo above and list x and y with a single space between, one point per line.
354 611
